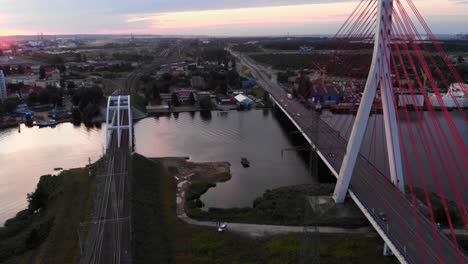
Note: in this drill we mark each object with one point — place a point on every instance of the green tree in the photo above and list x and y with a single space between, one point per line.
145 79
206 104
212 84
62 69
233 78
44 96
156 92
222 89
33 98
10 104
167 77
266 98
89 111
294 93
192 99
20 69
54 60
175 99
78 57
71 85
42 74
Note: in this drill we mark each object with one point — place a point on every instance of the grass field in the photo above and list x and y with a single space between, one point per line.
280 206
160 237
153 223
70 203
210 246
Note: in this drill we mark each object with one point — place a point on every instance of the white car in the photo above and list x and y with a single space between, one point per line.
222 227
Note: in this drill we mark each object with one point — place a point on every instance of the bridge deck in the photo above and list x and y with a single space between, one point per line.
109 232
372 191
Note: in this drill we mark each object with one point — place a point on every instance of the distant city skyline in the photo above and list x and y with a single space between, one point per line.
203 17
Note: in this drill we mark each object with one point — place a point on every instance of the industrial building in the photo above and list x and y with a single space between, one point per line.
244 100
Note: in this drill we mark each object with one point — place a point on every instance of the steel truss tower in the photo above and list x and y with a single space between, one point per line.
116 105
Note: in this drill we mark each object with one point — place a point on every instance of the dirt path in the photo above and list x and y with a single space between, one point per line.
193 172
184 179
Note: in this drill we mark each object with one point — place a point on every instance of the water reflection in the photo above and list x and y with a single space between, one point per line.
205 115
219 136
26 156
228 136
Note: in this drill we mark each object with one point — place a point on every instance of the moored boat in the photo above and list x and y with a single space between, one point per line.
245 162
50 123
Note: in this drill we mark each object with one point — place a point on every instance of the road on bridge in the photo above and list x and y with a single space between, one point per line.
417 241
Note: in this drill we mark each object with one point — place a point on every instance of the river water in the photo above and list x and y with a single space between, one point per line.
258 135
34 152
227 136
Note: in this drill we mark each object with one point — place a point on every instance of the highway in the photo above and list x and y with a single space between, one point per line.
406 228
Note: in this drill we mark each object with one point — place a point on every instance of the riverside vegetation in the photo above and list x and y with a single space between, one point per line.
46 232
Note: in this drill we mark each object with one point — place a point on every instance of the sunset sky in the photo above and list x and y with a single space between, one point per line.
203 17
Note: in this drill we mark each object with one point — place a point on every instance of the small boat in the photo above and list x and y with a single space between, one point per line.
50 123
58 169
245 162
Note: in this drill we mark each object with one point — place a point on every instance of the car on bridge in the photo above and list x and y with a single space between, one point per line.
383 216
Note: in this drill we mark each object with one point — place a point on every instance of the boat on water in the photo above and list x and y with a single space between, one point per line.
50 123
456 96
245 162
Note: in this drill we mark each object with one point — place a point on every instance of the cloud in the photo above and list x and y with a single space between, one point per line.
462 2
199 16
228 19
146 6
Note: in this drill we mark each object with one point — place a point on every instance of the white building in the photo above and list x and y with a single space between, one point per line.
244 100
45 83
3 91
26 79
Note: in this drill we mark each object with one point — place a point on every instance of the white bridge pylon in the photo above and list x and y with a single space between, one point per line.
379 77
116 107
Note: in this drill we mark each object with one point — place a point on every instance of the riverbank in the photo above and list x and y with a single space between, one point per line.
46 232
160 236
290 206
439 210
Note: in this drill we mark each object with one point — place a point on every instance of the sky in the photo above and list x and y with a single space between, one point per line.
203 17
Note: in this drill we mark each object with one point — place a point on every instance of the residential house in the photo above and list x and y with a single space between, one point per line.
52 73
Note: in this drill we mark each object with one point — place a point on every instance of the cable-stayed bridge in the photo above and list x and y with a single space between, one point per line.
406 66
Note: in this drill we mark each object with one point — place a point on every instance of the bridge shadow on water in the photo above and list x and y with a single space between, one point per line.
317 167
